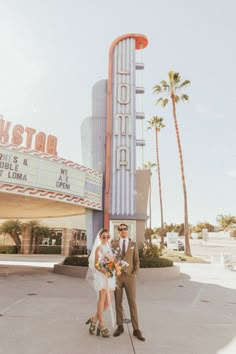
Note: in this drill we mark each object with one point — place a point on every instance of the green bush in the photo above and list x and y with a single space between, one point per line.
155 262
149 250
76 261
8 249
145 262
49 250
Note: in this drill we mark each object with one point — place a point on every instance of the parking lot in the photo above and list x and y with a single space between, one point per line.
214 249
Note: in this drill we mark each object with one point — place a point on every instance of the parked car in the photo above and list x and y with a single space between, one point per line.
180 245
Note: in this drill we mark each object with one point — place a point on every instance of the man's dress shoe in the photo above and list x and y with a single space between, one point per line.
118 331
137 333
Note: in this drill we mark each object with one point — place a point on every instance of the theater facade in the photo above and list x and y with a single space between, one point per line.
35 183
107 188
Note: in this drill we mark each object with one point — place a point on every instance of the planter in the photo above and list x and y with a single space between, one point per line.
164 273
145 274
72 271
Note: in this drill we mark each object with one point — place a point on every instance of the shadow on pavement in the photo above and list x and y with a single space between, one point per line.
179 316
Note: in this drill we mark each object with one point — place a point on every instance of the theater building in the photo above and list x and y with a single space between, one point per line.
106 188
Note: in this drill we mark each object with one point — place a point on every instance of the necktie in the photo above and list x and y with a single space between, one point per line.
123 248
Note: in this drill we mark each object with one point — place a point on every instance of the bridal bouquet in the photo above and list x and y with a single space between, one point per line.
111 264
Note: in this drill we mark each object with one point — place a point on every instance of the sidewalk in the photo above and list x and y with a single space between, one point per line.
42 312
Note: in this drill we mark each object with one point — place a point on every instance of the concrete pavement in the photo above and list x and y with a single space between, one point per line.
42 312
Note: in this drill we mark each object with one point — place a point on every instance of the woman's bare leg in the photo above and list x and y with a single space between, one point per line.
107 301
100 306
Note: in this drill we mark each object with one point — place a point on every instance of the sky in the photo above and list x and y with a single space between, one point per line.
53 52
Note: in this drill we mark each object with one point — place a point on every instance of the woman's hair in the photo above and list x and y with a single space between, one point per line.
102 231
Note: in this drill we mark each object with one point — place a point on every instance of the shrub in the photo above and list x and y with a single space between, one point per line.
8 249
76 261
157 262
149 250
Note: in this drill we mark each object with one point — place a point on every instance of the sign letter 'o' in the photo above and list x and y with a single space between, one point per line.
123 94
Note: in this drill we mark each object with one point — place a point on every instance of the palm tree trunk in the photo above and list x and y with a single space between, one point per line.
17 241
33 246
186 225
160 191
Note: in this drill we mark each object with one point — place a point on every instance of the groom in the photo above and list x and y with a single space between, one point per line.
127 280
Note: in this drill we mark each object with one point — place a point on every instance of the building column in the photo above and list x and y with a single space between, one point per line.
26 241
143 180
66 241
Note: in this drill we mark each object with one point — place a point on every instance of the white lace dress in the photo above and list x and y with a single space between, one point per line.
100 280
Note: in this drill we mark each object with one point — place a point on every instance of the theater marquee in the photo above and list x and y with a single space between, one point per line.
31 173
17 168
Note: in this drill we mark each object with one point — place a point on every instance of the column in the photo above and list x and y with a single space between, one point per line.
26 241
66 241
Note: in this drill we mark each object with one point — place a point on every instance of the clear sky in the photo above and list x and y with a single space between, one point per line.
53 51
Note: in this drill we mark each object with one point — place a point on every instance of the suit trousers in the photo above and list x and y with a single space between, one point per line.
129 283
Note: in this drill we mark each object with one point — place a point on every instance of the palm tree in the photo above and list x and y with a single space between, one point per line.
14 229
156 123
33 225
171 88
39 232
148 166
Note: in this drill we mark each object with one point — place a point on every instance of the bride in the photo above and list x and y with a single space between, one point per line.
101 281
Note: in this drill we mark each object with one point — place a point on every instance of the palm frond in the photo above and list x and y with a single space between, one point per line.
184 83
176 78
157 89
177 99
165 101
159 101
184 97
149 165
162 101
164 85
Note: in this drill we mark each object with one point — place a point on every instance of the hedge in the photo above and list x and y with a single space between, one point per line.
8 249
145 262
49 250
76 261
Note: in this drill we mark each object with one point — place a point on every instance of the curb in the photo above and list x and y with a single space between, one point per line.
71 271
163 273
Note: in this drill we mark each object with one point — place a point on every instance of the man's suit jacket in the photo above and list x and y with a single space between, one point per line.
131 256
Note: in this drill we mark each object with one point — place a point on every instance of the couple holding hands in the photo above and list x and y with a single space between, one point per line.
105 282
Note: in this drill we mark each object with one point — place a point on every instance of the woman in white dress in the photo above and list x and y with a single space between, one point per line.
101 281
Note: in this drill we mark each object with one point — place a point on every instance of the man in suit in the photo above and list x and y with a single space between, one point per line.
129 253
